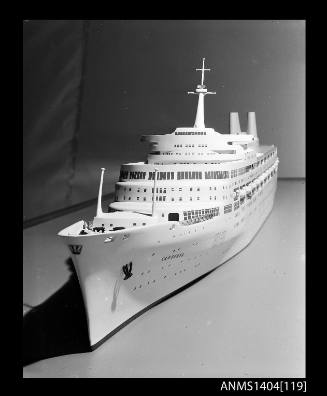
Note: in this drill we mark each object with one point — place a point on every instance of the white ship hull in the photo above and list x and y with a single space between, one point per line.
165 257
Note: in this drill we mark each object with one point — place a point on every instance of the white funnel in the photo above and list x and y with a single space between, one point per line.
252 125
234 123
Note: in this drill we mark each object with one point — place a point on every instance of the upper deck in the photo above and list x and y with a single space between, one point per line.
191 169
198 145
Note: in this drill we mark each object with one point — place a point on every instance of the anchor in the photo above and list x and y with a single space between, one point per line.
127 270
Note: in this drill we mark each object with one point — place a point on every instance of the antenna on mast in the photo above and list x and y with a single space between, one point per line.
201 91
202 70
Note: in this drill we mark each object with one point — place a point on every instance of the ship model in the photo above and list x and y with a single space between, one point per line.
198 200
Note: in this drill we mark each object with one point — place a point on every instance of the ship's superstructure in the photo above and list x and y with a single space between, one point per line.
198 199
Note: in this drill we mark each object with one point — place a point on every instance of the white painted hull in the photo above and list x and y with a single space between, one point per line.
164 260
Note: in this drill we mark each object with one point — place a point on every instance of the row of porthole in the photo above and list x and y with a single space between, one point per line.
174 236
165 276
170 264
148 271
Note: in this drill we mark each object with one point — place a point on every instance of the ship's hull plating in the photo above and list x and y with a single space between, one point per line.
164 259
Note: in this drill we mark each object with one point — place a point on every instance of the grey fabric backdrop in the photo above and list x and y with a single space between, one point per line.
80 116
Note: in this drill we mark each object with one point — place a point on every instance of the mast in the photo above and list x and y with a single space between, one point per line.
99 207
201 91
154 189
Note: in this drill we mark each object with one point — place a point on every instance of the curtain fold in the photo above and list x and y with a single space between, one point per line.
52 74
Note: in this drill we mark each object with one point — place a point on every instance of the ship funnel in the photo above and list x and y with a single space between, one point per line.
99 207
252 125
234 124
